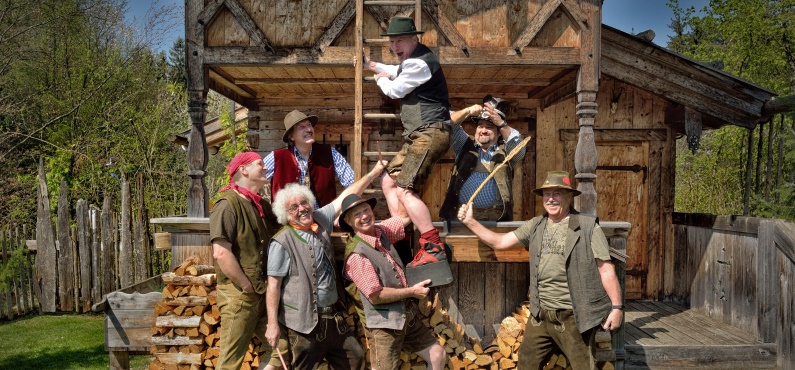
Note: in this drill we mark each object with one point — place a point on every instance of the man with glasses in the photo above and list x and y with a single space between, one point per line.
304 291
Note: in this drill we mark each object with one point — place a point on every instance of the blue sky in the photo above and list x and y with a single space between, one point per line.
630 16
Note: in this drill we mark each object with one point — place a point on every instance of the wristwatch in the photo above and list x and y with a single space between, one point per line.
504 123
618 307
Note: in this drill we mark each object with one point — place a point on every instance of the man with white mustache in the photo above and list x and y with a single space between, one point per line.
573 286
476 157
304 291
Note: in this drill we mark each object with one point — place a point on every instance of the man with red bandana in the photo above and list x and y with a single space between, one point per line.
241 224
573 286
420 85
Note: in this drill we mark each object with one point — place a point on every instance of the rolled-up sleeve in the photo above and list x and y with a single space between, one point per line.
414 72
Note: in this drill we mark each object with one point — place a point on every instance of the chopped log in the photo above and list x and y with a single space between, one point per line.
197 270
190 261
186 301
179 358
176 340
174 279
178 321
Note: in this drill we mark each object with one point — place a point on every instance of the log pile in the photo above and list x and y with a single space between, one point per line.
185 335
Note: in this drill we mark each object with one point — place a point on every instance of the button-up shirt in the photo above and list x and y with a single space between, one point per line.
361 271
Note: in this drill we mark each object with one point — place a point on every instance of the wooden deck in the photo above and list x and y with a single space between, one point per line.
662 335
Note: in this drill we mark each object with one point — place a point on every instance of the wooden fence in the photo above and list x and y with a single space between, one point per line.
16 266
740 270
91 251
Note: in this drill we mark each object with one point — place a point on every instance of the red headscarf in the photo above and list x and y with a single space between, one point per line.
243 159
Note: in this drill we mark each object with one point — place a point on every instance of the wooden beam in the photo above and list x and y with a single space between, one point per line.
446 28
463 81
575 13
778 105
562 57
612 135
336 27
215 76
209 12
248 24
562 92
539 20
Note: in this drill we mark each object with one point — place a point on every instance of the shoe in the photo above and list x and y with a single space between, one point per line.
430 253
430 263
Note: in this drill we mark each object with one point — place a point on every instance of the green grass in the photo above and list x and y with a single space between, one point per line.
57 342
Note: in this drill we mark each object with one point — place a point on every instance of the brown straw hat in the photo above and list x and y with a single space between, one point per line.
293 118
557 180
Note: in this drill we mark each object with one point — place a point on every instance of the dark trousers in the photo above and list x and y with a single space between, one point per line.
555 328
340 350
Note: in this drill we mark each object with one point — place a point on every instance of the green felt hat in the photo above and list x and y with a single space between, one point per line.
557 180
401 26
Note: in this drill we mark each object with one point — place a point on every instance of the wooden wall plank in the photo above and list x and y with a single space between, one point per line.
786 323
84 249
5 299
45 243
494 298
66 272
108 249
125 242
471 295
654 246
96 254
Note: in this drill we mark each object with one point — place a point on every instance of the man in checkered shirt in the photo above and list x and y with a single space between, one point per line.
389 310
477 156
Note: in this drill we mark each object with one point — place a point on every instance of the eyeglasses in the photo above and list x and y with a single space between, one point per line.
294 208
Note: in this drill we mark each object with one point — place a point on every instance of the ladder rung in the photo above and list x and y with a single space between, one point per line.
369 78
376 41
375 154
373 191
381 116
390 2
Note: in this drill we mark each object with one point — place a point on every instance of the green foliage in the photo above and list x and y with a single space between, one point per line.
57 342
755 40
12 266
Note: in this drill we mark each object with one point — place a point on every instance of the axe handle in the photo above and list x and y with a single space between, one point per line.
507 158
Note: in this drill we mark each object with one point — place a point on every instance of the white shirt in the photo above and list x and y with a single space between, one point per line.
415 72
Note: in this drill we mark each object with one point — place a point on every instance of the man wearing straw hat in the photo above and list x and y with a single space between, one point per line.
305 296
420 85
306 161
573 286
388 308
478 156
241 224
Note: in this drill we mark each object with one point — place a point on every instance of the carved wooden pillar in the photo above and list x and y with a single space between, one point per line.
197 95
587 86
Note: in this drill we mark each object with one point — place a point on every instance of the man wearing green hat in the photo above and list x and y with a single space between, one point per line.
420 85
573 285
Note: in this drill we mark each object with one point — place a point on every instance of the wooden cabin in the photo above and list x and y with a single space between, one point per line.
598 102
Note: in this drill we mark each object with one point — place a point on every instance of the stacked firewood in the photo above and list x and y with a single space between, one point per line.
185 335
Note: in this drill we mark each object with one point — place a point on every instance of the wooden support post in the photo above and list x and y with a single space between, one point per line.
748 174
84 249
197 95
141 234
108 248
125 242
119 360
96 253
45 241
357 101
587 85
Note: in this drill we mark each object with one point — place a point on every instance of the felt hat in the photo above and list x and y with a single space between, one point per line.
350 202
401 26
500 105
557 180
293 118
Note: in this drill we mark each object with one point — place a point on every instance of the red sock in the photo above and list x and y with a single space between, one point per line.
432 236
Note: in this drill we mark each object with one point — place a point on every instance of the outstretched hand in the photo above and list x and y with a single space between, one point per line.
465 213
420 289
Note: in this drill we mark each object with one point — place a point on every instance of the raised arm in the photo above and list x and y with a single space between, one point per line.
359 185
494 240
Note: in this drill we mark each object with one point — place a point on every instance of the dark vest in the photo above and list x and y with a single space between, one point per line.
250 246
389 315
298 306
466 163
320 168
588 297
429 102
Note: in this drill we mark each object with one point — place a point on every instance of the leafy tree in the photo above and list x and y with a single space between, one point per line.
755 40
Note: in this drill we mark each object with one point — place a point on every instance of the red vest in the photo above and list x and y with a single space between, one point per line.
320 169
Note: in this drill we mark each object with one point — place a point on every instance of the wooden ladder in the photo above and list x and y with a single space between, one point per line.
359 116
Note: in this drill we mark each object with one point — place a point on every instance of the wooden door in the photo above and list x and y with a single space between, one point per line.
622 188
